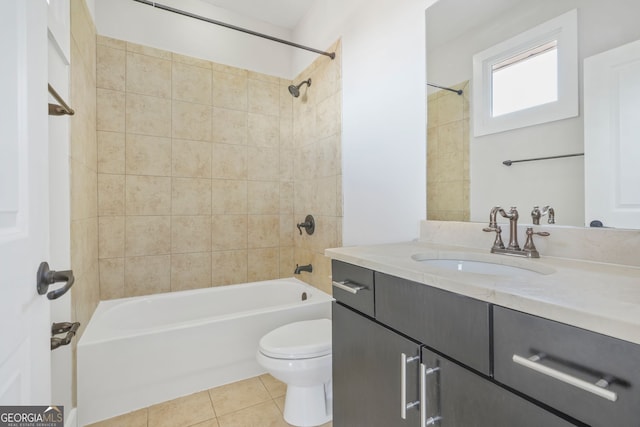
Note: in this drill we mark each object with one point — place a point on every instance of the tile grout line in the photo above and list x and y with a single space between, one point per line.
215 413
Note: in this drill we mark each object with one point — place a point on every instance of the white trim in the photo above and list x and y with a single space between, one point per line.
58 26
564 29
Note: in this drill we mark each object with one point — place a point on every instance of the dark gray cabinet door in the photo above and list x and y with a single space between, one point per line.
465 399
367 373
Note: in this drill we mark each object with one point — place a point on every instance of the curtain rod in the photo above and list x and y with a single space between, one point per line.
510 162
331 55
58 110
458 91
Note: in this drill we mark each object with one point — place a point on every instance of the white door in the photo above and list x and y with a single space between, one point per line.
612 137
59 189
25 376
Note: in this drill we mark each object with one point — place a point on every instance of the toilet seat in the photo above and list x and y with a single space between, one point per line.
299 340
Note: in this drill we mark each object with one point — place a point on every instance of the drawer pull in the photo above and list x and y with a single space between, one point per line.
349 286
532 363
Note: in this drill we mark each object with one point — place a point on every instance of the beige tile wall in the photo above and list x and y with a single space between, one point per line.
196 182
85 293
448 155
317 165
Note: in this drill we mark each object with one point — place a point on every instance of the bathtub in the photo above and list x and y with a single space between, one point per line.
139 351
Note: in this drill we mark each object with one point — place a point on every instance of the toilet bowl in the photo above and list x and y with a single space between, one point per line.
299 355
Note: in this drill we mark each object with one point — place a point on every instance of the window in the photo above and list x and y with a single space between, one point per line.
538 67
529 79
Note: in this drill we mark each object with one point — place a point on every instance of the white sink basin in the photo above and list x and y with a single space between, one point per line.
482 267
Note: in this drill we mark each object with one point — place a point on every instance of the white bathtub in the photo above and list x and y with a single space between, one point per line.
136 352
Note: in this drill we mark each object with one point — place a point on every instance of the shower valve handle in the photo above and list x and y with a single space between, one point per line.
309 224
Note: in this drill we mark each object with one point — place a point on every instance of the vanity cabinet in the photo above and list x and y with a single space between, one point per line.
398 365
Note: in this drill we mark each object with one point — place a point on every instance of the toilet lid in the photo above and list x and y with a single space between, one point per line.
298 340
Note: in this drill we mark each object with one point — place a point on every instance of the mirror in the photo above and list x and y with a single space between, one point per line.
466 174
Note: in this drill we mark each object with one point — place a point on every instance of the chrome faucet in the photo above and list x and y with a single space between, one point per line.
536 214
513 227
529 249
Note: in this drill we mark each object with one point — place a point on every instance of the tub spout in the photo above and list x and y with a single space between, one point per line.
301 268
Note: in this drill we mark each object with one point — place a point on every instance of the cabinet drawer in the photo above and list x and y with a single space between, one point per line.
570 362
452 324
461 398
353 286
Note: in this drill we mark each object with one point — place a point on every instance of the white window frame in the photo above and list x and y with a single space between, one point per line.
564 29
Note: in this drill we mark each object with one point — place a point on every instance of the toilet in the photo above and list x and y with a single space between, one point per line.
299 354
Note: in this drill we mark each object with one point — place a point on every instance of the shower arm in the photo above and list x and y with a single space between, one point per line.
331 55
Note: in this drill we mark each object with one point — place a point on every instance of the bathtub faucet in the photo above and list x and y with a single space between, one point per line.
301 268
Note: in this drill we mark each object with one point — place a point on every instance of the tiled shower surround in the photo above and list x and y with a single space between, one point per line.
205 169
85 293
448 155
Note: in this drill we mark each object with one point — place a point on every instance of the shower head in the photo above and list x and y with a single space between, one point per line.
295 90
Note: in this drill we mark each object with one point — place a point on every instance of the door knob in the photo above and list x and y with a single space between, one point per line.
46 277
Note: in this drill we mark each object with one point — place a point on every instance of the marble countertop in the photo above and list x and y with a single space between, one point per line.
600 297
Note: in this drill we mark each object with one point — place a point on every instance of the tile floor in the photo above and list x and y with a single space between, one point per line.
256 402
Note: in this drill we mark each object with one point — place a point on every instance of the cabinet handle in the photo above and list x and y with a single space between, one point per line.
532 363
424 372
349 286
404 360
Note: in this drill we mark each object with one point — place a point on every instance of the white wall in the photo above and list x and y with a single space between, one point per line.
560 183
143 24
383 149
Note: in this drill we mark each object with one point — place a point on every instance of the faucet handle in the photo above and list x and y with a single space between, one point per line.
529 246
552 214
497 244
540 233
536 213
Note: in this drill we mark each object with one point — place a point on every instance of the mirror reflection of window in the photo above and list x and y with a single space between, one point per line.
538 67
528 79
